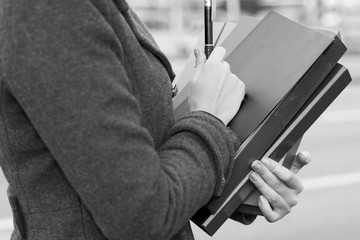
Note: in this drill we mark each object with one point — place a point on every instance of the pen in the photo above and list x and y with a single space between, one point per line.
208 27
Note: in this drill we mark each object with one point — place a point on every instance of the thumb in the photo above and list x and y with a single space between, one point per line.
301 159
200 58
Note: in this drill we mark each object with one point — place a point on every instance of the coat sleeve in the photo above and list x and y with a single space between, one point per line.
63 64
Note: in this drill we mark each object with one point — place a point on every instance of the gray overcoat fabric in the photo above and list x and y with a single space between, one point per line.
88 141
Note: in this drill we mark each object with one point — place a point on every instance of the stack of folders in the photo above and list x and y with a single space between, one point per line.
291 76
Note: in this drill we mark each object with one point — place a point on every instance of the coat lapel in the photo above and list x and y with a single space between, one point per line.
143 35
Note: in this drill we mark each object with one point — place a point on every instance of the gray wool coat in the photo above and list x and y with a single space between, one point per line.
88 141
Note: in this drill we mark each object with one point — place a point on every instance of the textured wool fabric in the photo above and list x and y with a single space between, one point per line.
87 134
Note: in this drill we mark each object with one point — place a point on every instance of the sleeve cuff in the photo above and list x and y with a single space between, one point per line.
219 139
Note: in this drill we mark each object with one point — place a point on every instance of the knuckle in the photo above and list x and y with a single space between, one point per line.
293 202
226 66
259 168
210 65
271 218
221 50
273 166
292 179
261 171
289 178
276 184
235 77
240 83
300 187
266 175
286 209
273 198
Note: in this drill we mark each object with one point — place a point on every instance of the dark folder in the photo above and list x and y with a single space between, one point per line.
282 64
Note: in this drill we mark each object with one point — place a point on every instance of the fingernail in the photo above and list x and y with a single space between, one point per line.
256 165
265 161
305 157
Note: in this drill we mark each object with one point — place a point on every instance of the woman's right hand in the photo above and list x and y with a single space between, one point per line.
214 88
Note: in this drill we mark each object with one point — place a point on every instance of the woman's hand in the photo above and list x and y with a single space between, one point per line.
278 185
214 88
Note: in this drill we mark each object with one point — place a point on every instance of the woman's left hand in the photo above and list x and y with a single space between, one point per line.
279 186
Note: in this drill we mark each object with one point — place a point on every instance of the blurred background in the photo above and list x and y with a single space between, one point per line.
329 207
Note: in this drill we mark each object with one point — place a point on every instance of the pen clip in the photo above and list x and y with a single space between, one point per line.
213 9
212 4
